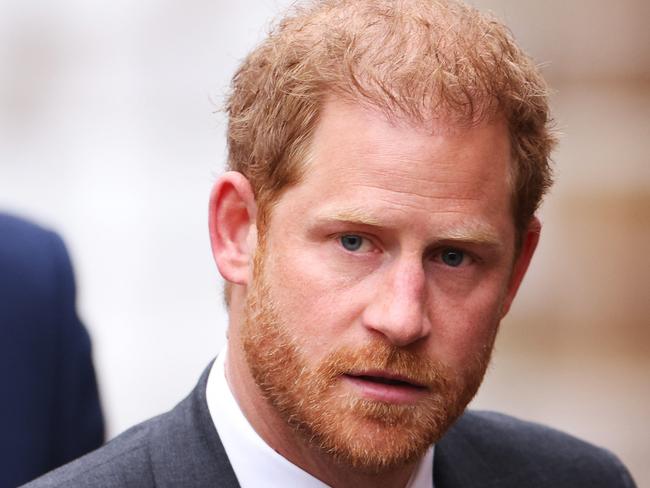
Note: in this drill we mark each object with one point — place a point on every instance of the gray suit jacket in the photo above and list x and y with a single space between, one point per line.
181 448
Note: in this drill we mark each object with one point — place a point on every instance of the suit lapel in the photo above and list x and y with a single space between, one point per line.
458 464
189 452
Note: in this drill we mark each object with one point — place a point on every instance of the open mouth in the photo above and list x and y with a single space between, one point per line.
386 380
385 387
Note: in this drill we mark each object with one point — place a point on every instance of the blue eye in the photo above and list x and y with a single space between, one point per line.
351 242
453 257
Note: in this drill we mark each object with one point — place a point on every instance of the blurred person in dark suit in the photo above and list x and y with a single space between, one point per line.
49 405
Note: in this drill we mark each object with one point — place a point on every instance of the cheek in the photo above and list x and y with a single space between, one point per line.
463 327
317 266
309 293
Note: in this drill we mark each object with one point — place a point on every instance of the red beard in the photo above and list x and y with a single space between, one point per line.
369 435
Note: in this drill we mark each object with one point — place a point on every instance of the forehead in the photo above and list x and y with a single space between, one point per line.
362 163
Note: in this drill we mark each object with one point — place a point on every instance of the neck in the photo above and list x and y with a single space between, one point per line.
290 444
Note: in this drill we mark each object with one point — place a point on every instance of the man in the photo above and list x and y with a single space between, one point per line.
50 412
387 159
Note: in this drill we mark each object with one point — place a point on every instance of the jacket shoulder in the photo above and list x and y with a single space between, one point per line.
123 462
513 452
178 448
34 262
20 237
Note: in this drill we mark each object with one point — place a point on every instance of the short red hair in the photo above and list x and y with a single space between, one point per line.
411 59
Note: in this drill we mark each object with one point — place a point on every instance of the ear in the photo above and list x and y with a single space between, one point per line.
522 260
232 216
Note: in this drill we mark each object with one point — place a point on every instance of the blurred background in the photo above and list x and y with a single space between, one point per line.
110 133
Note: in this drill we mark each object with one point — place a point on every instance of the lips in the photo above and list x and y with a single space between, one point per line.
386 387
386 379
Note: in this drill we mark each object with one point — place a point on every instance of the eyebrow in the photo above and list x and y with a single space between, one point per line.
353 216
472 231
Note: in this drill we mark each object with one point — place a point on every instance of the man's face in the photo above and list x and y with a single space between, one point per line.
381 282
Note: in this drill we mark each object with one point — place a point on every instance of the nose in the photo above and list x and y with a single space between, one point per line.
398 308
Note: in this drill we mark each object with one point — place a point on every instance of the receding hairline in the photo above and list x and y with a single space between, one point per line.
399 54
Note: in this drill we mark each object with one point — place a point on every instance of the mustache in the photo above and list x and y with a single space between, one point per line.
388 359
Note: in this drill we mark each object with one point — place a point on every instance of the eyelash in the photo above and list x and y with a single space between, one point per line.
467 258
363 239
436 256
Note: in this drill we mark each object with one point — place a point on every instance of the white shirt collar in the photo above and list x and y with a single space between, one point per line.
254 462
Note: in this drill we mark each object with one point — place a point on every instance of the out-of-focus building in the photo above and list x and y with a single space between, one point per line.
575 351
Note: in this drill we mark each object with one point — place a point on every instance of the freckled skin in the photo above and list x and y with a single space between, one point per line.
416 183
421 191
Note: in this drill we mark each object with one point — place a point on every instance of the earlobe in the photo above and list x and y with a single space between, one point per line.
232 215
523 258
